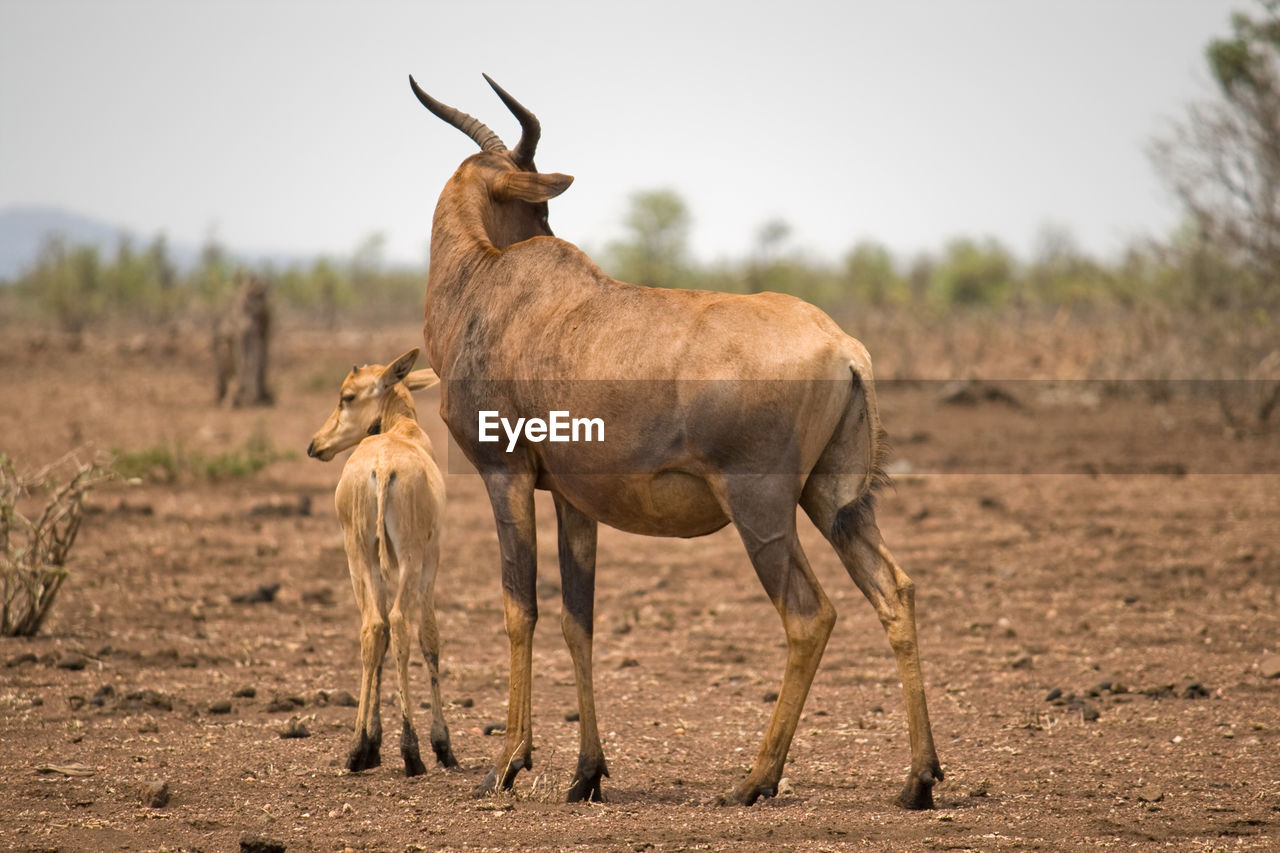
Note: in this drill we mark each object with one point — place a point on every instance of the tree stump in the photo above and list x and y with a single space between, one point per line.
240 342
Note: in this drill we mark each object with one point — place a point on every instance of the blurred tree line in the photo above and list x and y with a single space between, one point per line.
75 287
1188 271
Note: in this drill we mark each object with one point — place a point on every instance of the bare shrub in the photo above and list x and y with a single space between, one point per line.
34 548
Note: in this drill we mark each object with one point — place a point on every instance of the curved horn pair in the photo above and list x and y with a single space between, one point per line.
530 128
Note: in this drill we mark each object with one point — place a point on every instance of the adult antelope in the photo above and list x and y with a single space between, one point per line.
390 501
734 409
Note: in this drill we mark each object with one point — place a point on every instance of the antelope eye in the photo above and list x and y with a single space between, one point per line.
347 398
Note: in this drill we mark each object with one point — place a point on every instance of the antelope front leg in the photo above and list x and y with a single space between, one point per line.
578 585
512 499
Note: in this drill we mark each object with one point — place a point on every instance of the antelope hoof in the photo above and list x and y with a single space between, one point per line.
444 754
746 794
586 783
491 785
413 765
365 754
917 795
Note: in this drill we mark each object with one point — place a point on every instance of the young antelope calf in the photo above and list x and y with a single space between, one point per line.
391 504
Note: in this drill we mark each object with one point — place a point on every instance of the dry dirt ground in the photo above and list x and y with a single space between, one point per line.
1039 568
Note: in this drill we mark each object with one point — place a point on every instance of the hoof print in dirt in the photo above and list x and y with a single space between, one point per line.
251 842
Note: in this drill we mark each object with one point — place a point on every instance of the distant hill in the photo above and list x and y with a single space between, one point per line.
23 230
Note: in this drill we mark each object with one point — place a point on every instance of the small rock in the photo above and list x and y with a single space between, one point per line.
1089 712
150 699
1149 794
1022 661
76 702
148 725
495 729
785 787
1055 693
982 789
73 662
101 695
1195 690
323 596
468 702
1268 667
295 728
572 717
284 704
282 508
154 794
264 594
222 706
627 663
771 696
248 691
342 699
251 842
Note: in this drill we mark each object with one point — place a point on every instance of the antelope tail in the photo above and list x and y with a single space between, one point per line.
384 553
877 442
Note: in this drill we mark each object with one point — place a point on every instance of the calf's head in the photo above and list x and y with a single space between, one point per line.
501 186
368 394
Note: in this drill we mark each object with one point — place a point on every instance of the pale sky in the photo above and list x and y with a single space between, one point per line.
290 126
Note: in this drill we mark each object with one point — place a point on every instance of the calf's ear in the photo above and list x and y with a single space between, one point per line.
530 186
398 369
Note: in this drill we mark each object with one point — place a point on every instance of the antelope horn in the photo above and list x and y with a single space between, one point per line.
472 127
530 128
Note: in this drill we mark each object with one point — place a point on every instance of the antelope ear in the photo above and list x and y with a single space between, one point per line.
530 186
420 379
397 370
